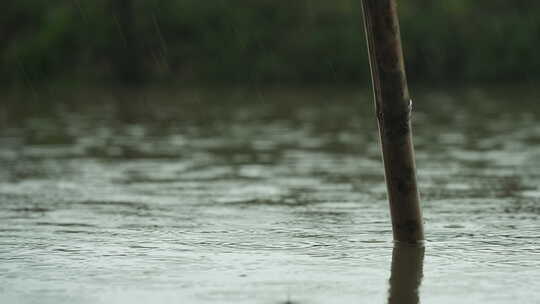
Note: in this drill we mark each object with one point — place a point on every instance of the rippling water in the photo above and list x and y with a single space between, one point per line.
264 196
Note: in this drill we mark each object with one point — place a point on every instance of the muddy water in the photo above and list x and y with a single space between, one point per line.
263 196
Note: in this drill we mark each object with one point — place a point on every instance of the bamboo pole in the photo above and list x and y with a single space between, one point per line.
393 108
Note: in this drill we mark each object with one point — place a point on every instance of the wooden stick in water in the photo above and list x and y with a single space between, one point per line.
393 108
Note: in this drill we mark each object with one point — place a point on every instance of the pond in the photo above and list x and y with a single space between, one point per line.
271 195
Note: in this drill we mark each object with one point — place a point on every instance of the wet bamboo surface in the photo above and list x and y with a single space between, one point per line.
393 108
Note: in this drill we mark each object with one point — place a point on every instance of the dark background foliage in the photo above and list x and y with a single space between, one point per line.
263 41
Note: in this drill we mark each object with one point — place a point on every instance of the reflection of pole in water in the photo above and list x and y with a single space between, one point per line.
407 272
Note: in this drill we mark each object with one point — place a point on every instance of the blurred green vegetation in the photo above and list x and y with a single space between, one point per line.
263 41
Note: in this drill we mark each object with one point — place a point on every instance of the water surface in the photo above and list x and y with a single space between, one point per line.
263 196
